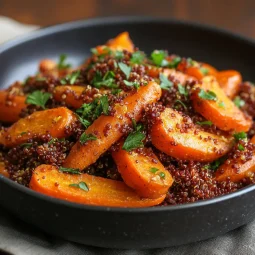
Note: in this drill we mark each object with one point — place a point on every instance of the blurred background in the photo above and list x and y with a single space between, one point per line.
234 15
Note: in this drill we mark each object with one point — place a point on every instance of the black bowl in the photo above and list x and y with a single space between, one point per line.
120 227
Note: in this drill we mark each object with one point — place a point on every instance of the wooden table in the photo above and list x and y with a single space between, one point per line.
235 15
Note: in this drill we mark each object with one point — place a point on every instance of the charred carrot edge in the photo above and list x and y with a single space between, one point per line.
143 172
84 155
100 191
10 107
222 112
229 81
170 136
3 170
53 121
121 42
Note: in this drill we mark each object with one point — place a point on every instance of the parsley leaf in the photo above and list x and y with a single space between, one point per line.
207 95
38 98
84 122
162 175
26 145
204 70
132 84
119 55
240 147
125 69
80 185
165 83
62 62
104 104
174 62
239 102
134 139
240 136
182 90
137 57
84 138
207 122
181 103
70 170
158 58
154 170
70 78
106 81
222 105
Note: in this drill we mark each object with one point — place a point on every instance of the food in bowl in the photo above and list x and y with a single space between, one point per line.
129 130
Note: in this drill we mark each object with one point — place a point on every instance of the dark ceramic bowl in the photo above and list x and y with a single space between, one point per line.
120 227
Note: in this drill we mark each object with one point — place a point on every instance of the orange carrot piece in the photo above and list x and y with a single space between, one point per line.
121 42
53 121
3 170
222 112
143 172
178 137
47 65
195 72
84 155
10 107
230 82
48 180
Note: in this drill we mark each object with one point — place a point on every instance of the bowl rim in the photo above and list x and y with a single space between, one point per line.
102 21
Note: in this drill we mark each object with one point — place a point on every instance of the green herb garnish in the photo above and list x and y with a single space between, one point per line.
207 122
158 58
119 55
154 170
70 78
162 175
222 105
62 62
125 69
174 62
137 57
207 95
180 102
239 102
240 147
104 104
70 170
182 90
240 136
132 84
80 185
106 81
26 145
164 82
38 98
204 70
84 138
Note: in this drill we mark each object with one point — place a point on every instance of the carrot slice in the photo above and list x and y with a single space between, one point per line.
121 42
53 121
175 135
48 180
84 155
229 81
11 107
143 172
222 112
3 170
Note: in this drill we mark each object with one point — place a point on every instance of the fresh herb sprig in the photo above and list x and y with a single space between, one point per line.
38 98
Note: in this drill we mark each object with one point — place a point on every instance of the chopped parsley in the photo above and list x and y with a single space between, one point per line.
154 170
183 90
215 164
221 104
239 102
84 138
181 103
119 55
134 139
62 62
52 141
132 84
106 81
38 98
207 95
125 69
23 133
137 57
240 136
70 78
104 104
162 175
116 91
174 62
207 122
158 58
26 145
80 185
70 170
240 147
164 82
204 70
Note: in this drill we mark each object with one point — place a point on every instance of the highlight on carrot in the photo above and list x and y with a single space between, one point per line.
229 81
53 121
178 137
47 65
121 42
87 189
3 170
83 155
212 103
143 172
11 107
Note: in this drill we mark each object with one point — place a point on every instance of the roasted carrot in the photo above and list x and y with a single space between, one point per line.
84 155
121 42
220 110
53 121
10 107
143 172
230 82
210 70
3 170
178 137
100 191
47 65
